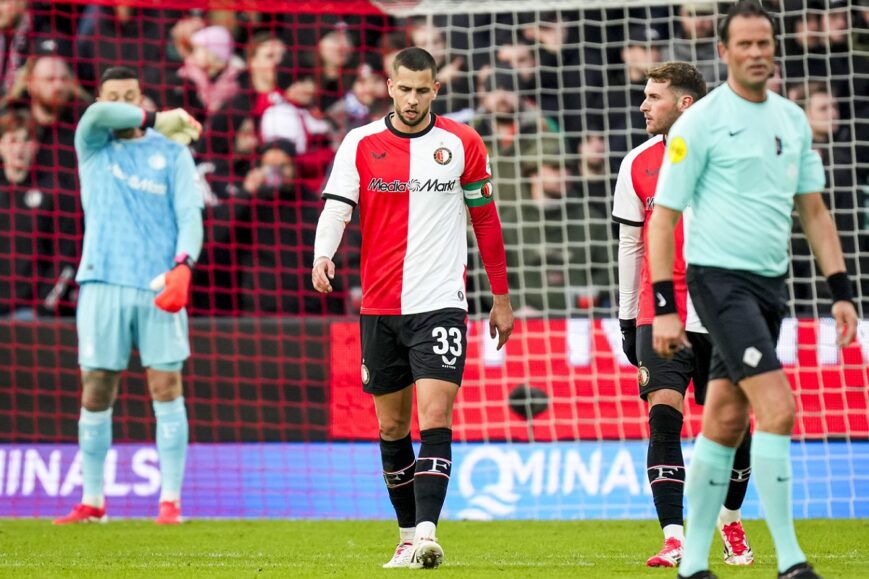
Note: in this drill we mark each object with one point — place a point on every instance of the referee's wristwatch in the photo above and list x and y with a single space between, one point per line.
184 259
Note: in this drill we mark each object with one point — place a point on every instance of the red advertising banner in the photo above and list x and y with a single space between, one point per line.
591 389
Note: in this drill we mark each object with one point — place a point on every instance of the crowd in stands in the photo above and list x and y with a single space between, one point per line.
556 97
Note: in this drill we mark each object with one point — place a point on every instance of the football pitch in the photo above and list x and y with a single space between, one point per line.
35 548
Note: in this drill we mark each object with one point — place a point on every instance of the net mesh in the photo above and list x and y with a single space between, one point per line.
555 92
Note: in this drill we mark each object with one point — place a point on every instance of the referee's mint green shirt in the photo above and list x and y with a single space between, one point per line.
738 164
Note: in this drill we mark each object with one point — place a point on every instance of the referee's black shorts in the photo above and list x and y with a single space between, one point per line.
688 365
743 312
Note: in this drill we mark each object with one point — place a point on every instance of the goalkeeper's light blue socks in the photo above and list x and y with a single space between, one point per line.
94 440
771 468
706 484
172 436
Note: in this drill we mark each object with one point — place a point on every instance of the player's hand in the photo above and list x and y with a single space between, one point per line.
845 315
324 270
175 284
178 125
501 319
668 335
629 340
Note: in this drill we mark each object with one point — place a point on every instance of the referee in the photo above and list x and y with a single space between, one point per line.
742 158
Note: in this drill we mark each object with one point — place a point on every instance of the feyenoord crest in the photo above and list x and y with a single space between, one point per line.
443 156
366 375
643 375
486 190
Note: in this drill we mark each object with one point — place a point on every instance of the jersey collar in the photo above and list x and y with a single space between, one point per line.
398 133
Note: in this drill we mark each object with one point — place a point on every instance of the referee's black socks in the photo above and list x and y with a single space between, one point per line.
398 468
664 462
433 469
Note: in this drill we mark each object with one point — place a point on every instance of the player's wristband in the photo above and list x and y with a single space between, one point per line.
840 287
184 259
149 120
665 297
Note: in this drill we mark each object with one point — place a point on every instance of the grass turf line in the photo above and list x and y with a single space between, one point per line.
504 549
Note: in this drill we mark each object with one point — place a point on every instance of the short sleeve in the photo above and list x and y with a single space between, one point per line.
684 161
477 175
343 183
627 206
811 171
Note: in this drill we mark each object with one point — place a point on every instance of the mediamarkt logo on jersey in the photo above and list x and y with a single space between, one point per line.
396 186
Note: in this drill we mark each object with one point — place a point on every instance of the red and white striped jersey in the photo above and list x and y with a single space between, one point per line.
634 200
411 190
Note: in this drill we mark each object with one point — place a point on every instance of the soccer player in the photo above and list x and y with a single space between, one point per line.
143 215
671 88
410 173
742 158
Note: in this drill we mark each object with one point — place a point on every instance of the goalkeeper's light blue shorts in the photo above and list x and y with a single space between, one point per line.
112 319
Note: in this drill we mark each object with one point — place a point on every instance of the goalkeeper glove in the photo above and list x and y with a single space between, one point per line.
629 340
175 284
177 125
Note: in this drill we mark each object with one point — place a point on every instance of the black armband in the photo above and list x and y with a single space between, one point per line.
665 297
840 287
150 119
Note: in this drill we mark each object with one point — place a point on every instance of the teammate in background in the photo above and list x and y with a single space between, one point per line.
671 88
143 215
742 158
410 174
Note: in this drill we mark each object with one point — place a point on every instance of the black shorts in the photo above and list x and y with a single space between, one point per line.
399 350
743 312
689 364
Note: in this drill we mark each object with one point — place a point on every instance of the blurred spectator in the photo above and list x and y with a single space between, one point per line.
559 68
332 65
625 94
110 36
260 82
55 101
210 73
14 35
804 43
556 244
38 227
696 42
365 102
276 237
292 118
454 93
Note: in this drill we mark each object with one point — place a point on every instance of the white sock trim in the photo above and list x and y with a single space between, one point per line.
406 534
425 530
727 516
674 532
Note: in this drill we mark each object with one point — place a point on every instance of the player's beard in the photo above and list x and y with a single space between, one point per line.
421 116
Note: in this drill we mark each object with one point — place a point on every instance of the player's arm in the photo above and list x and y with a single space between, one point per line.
187 204
100 119
341 194
629 213
822 235
683 164
479 197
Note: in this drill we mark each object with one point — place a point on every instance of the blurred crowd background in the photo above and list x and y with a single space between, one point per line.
556 96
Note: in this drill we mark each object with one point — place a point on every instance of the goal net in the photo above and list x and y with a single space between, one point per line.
549 427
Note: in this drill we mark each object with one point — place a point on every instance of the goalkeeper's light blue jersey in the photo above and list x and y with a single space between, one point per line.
739 164
132 192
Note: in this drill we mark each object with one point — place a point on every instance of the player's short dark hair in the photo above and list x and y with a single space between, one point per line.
747 8
415 58
683 77
118 73
14 119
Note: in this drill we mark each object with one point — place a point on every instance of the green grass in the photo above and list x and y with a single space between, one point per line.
34 548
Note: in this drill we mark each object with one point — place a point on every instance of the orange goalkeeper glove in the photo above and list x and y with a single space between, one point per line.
175 284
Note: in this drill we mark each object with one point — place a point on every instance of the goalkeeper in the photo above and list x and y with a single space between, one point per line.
143 232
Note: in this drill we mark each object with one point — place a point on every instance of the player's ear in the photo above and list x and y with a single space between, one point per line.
389 87
722 52
437 87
